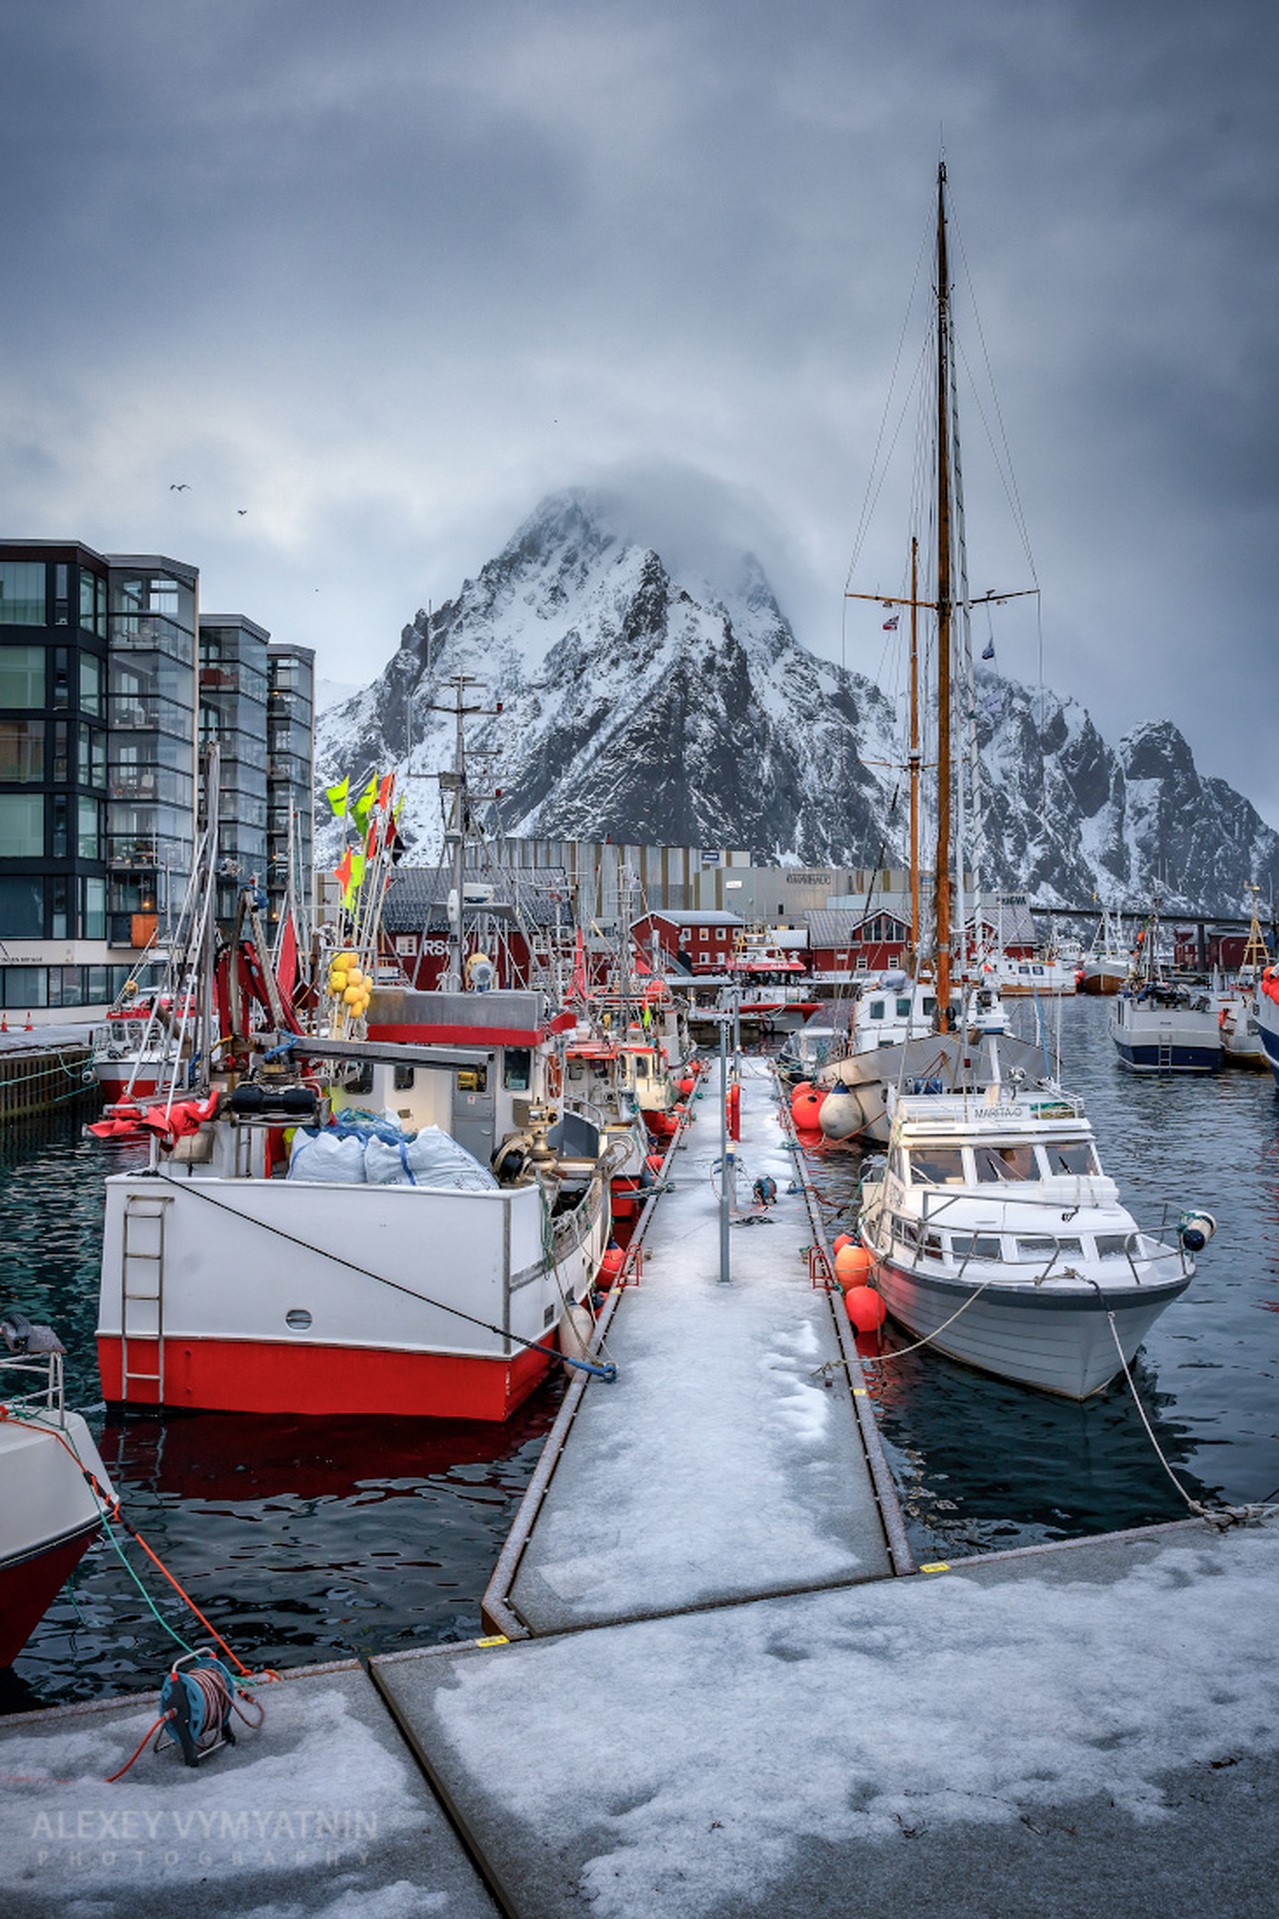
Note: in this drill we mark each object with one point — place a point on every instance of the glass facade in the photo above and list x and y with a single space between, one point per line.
233 715
110 687
53 757
290 773
151 699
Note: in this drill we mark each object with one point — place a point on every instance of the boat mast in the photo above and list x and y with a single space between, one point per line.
942 864
914 755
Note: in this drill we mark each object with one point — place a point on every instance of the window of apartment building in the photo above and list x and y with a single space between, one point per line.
90 683
93 917
22 751
21 906
21 826
88 830
91 760
59 897
61 676
93 603
21 676
21 592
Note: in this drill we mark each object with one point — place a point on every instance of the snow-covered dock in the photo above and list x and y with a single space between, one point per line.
727 1460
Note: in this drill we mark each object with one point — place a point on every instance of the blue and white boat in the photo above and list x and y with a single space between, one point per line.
1163 1027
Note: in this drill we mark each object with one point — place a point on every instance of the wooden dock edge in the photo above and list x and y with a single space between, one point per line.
891 1517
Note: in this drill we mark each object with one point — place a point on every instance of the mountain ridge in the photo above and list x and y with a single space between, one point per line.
644 704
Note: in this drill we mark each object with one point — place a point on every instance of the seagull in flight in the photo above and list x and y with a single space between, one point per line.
241 510
179 486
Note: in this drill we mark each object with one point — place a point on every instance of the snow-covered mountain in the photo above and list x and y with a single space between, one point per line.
642 704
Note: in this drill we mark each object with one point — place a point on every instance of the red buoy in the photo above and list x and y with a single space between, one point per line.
866 1308
853 1264
805 1108
840 1241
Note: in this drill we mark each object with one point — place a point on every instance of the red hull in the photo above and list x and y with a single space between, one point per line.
114 1086
28 1587
259 1376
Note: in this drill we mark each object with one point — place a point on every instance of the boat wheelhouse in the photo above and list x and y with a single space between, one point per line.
997 1237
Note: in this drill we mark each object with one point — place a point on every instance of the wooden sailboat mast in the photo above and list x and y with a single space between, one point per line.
942 864
914 750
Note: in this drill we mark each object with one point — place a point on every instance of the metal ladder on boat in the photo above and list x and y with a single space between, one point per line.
142 1292
1165 1054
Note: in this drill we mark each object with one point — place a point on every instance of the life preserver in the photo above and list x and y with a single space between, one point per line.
554 1078
1223 1015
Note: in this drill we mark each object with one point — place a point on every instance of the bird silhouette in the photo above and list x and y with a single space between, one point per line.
179 486
241 510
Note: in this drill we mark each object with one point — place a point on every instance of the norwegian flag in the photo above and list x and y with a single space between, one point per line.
890 626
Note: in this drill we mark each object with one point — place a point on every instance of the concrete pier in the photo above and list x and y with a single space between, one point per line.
727 1460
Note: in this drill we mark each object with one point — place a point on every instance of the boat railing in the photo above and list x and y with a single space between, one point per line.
1155 1252
46 1368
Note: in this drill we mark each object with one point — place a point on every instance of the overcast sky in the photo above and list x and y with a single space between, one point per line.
383 272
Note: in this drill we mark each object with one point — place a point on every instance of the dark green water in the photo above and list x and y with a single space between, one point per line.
309 1539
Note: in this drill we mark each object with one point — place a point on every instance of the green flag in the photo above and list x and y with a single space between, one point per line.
366 802
336 796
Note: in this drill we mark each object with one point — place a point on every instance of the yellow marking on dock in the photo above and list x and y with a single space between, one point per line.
938 1566
494 1639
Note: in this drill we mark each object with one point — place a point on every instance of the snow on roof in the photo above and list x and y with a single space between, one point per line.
696 916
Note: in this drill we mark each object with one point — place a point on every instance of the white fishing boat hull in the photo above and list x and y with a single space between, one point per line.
1056 1339
1152 1038
291 1296
1268 1023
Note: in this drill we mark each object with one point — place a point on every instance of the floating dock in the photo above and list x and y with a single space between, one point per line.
722 1692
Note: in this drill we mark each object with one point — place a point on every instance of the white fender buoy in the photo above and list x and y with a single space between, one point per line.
577 1323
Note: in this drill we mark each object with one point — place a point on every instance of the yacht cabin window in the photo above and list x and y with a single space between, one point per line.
937 1165
903 1009
998 1163
876 1009
985 1246
1070 1156
1112 1245
1043 1246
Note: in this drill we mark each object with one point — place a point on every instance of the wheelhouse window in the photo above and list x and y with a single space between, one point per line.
1112 1245
517 1065
1043 1246
985 1246
937 1165
903 1009
998 1163
1070 1157
877 1009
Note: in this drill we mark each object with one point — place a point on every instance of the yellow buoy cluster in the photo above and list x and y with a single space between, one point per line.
349 985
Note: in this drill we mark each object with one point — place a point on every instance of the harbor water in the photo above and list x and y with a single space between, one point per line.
307 1539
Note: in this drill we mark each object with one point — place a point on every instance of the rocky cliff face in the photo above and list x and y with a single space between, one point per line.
645 706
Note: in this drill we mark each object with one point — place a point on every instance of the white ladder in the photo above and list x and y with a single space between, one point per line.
142 1292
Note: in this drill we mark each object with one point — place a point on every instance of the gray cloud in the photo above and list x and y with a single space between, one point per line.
383 275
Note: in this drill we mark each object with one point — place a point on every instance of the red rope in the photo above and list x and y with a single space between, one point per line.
138 1748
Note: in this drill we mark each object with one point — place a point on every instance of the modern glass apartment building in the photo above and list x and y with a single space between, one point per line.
233 716
290 772
151 636
110 684
53 775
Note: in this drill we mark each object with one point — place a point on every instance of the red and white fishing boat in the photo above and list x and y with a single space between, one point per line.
395 1213
134 1051
49 1516
769 985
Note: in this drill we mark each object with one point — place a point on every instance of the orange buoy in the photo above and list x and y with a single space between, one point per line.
866 1308
686 1087
611 1264
655 1162
805 1109
840 1241
801 1086
853 1264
